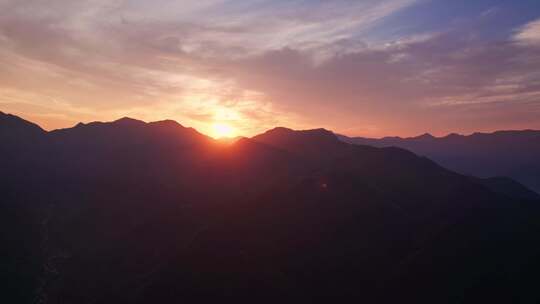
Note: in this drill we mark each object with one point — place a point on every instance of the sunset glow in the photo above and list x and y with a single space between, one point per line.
248 151
221 130
371 68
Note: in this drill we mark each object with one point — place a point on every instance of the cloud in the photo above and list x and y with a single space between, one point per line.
257 64
529 34
417 84
136 56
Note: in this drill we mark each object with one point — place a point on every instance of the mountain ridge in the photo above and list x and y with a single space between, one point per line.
298 141
429 135
510 153
142 213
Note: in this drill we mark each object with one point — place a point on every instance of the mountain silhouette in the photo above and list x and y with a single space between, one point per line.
509 187
12 126
135 212
512 154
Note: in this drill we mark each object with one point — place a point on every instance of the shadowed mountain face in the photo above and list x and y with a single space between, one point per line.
12 126
512 154
134 212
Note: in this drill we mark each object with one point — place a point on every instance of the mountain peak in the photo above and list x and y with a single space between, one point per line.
127 121
453 136
310 132
314 140
314 135
166 123
425 136
14 126
279 130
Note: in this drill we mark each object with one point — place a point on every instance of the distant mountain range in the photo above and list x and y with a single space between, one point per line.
135 212
514 154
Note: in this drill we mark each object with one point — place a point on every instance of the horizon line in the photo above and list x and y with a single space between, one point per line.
276 127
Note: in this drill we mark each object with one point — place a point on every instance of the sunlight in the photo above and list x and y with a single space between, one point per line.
221 130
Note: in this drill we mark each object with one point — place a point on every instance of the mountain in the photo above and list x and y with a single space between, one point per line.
509 187
135 212
512 154
12 126
19 236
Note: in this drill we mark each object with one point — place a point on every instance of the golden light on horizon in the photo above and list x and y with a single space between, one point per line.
221 130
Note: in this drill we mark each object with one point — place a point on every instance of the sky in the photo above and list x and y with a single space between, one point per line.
358 67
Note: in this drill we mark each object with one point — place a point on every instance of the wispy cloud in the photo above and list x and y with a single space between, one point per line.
529 34
256 64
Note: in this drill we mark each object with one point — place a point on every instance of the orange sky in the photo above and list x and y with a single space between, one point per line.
367 68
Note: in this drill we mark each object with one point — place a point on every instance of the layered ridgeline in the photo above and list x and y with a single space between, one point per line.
135 212
513 154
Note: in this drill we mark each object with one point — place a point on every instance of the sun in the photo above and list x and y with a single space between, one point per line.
221 130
